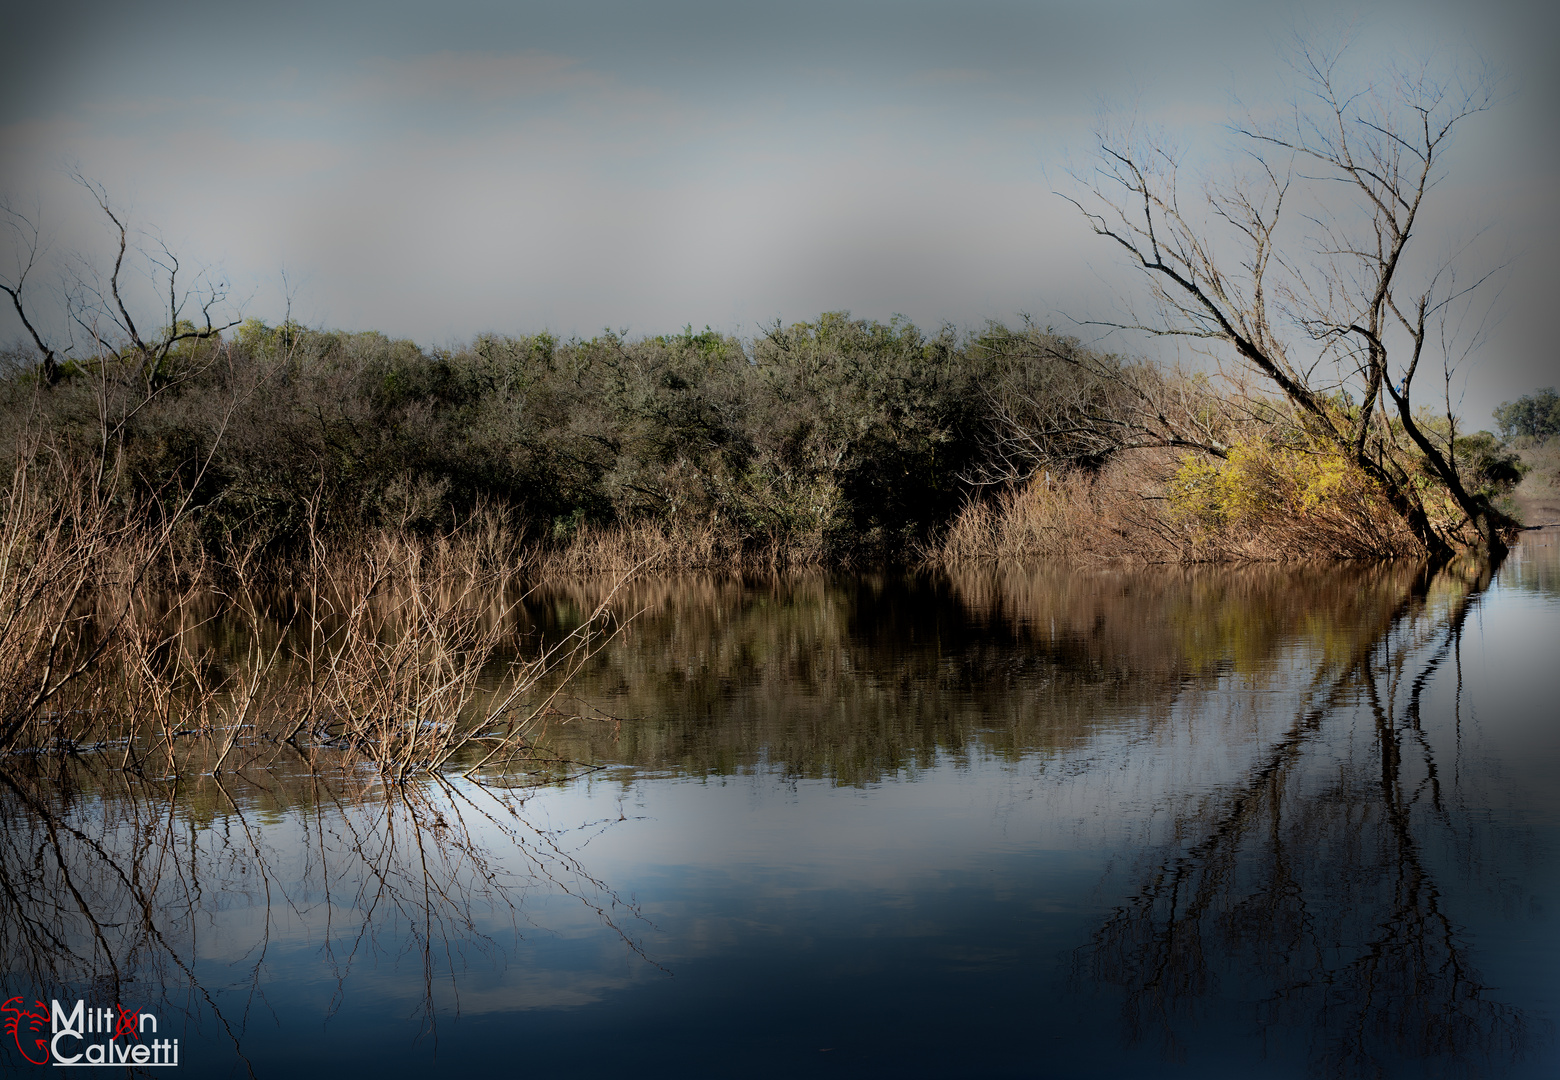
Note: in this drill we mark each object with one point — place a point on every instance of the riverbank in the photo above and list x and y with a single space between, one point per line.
839 442
1538 496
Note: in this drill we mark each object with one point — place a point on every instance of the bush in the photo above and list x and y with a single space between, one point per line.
834 440
1301 497
843 438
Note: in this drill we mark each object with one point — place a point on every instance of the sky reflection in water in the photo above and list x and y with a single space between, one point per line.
1215 822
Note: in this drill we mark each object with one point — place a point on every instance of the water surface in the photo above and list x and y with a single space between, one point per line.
1047 822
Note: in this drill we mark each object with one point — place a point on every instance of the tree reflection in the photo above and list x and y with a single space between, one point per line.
118 889
853 679
1307 888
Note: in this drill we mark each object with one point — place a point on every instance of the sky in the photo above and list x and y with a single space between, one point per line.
439 171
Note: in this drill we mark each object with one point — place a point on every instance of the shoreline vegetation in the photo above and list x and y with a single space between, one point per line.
362 515
836 442
401 489
260 574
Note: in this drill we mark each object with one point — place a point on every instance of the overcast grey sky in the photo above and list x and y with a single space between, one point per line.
435 171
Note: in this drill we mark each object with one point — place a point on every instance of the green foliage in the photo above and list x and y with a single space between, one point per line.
1487 467
1535 415
835 439
869 427
846 438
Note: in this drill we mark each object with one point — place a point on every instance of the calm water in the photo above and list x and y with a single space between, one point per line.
1249 822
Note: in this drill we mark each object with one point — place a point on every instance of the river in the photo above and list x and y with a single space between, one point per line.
1255 821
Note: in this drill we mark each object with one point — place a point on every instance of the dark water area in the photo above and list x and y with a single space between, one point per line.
1046 822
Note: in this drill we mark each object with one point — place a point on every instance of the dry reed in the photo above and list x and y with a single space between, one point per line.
70 558
408 636
1130 510
404 652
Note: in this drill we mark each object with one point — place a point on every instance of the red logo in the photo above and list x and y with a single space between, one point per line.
125 1025
28 1028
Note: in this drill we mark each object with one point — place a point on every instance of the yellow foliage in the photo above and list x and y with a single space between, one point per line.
1262 482
1269 500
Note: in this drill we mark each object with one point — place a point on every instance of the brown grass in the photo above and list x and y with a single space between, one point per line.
1537 498
407 653
70 560
402 655
1067 516
403 652
1128 511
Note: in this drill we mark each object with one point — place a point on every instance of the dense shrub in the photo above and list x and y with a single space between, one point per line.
834 440
840 438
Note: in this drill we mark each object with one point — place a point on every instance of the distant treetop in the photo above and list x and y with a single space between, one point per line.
1536 415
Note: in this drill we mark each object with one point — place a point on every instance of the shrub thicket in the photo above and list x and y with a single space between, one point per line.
835 440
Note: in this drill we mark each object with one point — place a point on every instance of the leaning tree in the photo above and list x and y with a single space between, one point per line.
1308 263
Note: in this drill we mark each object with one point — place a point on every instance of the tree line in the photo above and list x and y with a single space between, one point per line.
835 440
1299 271
845 438
1532 416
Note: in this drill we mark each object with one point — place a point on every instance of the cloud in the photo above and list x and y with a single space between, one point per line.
952 76
474 76
556 171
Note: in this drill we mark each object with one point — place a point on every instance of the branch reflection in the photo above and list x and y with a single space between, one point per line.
120 889
1310 886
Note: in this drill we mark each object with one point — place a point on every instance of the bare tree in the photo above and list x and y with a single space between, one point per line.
29 249
1307 263
62 513
1079 408
99 308
94 305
